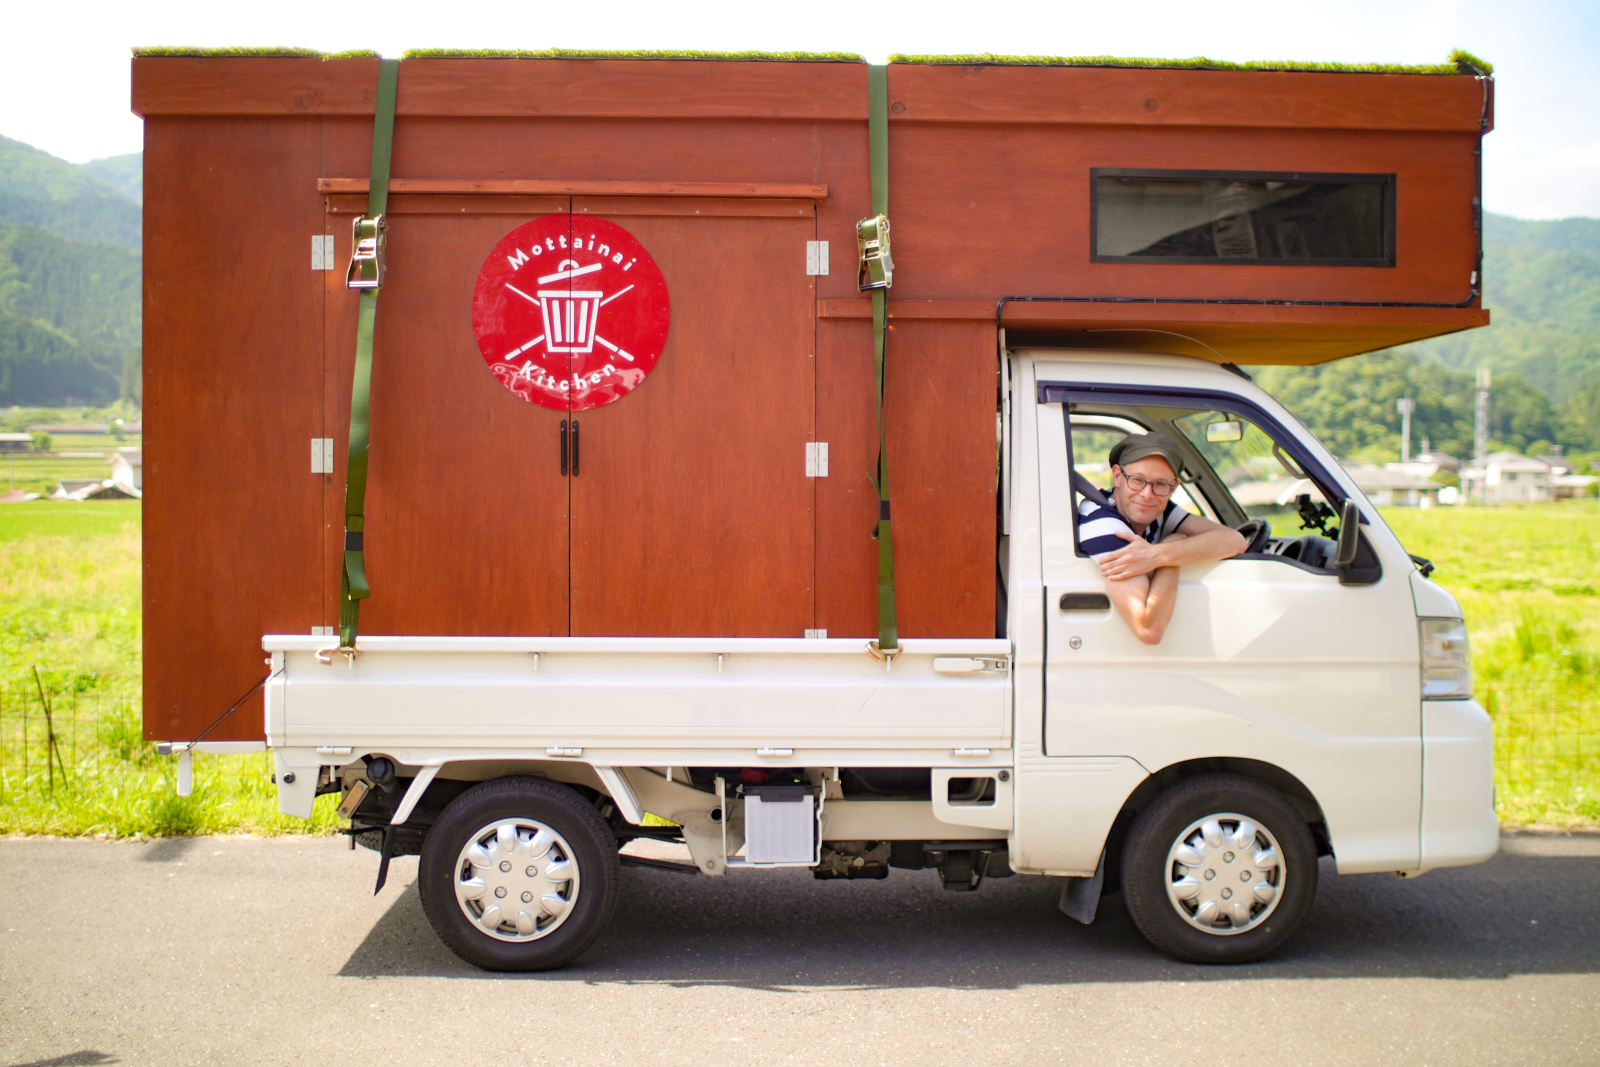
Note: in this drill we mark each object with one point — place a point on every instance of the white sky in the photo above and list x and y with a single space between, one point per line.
64 82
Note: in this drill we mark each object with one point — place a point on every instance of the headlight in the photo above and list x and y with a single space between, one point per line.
1446 659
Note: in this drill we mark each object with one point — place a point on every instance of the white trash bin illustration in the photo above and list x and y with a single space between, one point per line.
570 315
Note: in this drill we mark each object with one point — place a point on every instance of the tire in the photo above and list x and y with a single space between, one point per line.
519 874
1238 900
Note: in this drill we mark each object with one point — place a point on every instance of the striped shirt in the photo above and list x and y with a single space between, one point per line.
1098 526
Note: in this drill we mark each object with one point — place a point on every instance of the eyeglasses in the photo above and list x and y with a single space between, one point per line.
1136 484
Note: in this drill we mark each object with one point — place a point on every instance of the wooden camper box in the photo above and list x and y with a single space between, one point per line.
693 513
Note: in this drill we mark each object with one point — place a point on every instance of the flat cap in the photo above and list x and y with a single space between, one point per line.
1137 446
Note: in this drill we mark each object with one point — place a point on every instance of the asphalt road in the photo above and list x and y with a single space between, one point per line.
245 951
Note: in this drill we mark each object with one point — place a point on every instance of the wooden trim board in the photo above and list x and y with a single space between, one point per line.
540 187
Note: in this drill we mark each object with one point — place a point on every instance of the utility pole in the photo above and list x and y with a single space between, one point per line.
1405 405
1480 435
1480 430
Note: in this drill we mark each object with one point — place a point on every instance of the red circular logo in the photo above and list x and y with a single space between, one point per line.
570 312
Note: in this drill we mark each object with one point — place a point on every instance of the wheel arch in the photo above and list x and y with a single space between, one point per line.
1269 774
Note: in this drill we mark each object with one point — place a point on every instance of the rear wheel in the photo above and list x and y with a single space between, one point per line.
519 874
1219 869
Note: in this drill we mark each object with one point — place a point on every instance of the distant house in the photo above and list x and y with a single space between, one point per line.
1391 488
1271 493
105 489
18 496
1567 486
1564 485
1427 464
1507 478
127 468
16 442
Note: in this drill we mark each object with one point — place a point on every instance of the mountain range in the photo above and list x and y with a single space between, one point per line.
69 277
70 298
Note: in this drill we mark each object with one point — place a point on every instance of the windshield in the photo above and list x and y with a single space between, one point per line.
1261 479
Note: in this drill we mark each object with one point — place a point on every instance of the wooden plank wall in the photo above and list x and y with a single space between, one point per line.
988 193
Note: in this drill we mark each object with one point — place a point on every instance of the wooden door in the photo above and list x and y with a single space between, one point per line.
692 512
467 506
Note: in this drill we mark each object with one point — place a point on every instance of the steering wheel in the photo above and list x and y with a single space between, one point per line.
1255 532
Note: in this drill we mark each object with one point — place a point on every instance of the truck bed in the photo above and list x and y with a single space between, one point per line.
642 701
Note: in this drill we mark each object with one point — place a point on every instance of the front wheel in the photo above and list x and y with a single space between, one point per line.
519 874
1219 869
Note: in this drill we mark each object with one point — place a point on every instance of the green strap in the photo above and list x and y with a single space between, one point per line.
353 587
878 159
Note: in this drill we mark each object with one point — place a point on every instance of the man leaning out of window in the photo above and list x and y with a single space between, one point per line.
1141 536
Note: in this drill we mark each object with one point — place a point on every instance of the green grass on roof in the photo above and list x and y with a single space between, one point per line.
1458 61
585 53
254 52
1470 63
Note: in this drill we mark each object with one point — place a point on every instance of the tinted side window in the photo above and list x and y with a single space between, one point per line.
1212 217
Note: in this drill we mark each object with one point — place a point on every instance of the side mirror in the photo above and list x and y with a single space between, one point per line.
1353 557
1349 535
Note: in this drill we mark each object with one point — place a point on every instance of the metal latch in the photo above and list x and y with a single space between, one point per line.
877 267
370 235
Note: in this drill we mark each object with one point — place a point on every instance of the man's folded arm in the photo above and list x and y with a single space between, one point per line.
1146 602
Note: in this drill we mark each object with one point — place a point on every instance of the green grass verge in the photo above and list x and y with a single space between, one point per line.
69 602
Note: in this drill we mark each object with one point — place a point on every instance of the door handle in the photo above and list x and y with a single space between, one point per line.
563 448
574 448
1085 602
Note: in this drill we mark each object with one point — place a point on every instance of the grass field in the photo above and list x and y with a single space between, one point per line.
69 603
1528 579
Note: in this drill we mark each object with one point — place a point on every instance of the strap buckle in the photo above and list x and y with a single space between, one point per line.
349 652
369 238
886 655
876 269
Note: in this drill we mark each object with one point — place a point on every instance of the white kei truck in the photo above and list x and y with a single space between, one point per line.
1311 697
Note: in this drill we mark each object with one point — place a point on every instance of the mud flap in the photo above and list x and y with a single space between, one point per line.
385 850
1080 897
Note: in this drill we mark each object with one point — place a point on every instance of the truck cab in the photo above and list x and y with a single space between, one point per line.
1328 679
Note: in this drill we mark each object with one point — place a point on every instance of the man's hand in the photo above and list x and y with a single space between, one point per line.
1139 558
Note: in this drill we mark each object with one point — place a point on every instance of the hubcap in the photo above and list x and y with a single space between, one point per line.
1224 874
516 879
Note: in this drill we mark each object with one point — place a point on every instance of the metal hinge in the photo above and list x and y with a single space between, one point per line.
816 258
816 459
322 455
322 251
